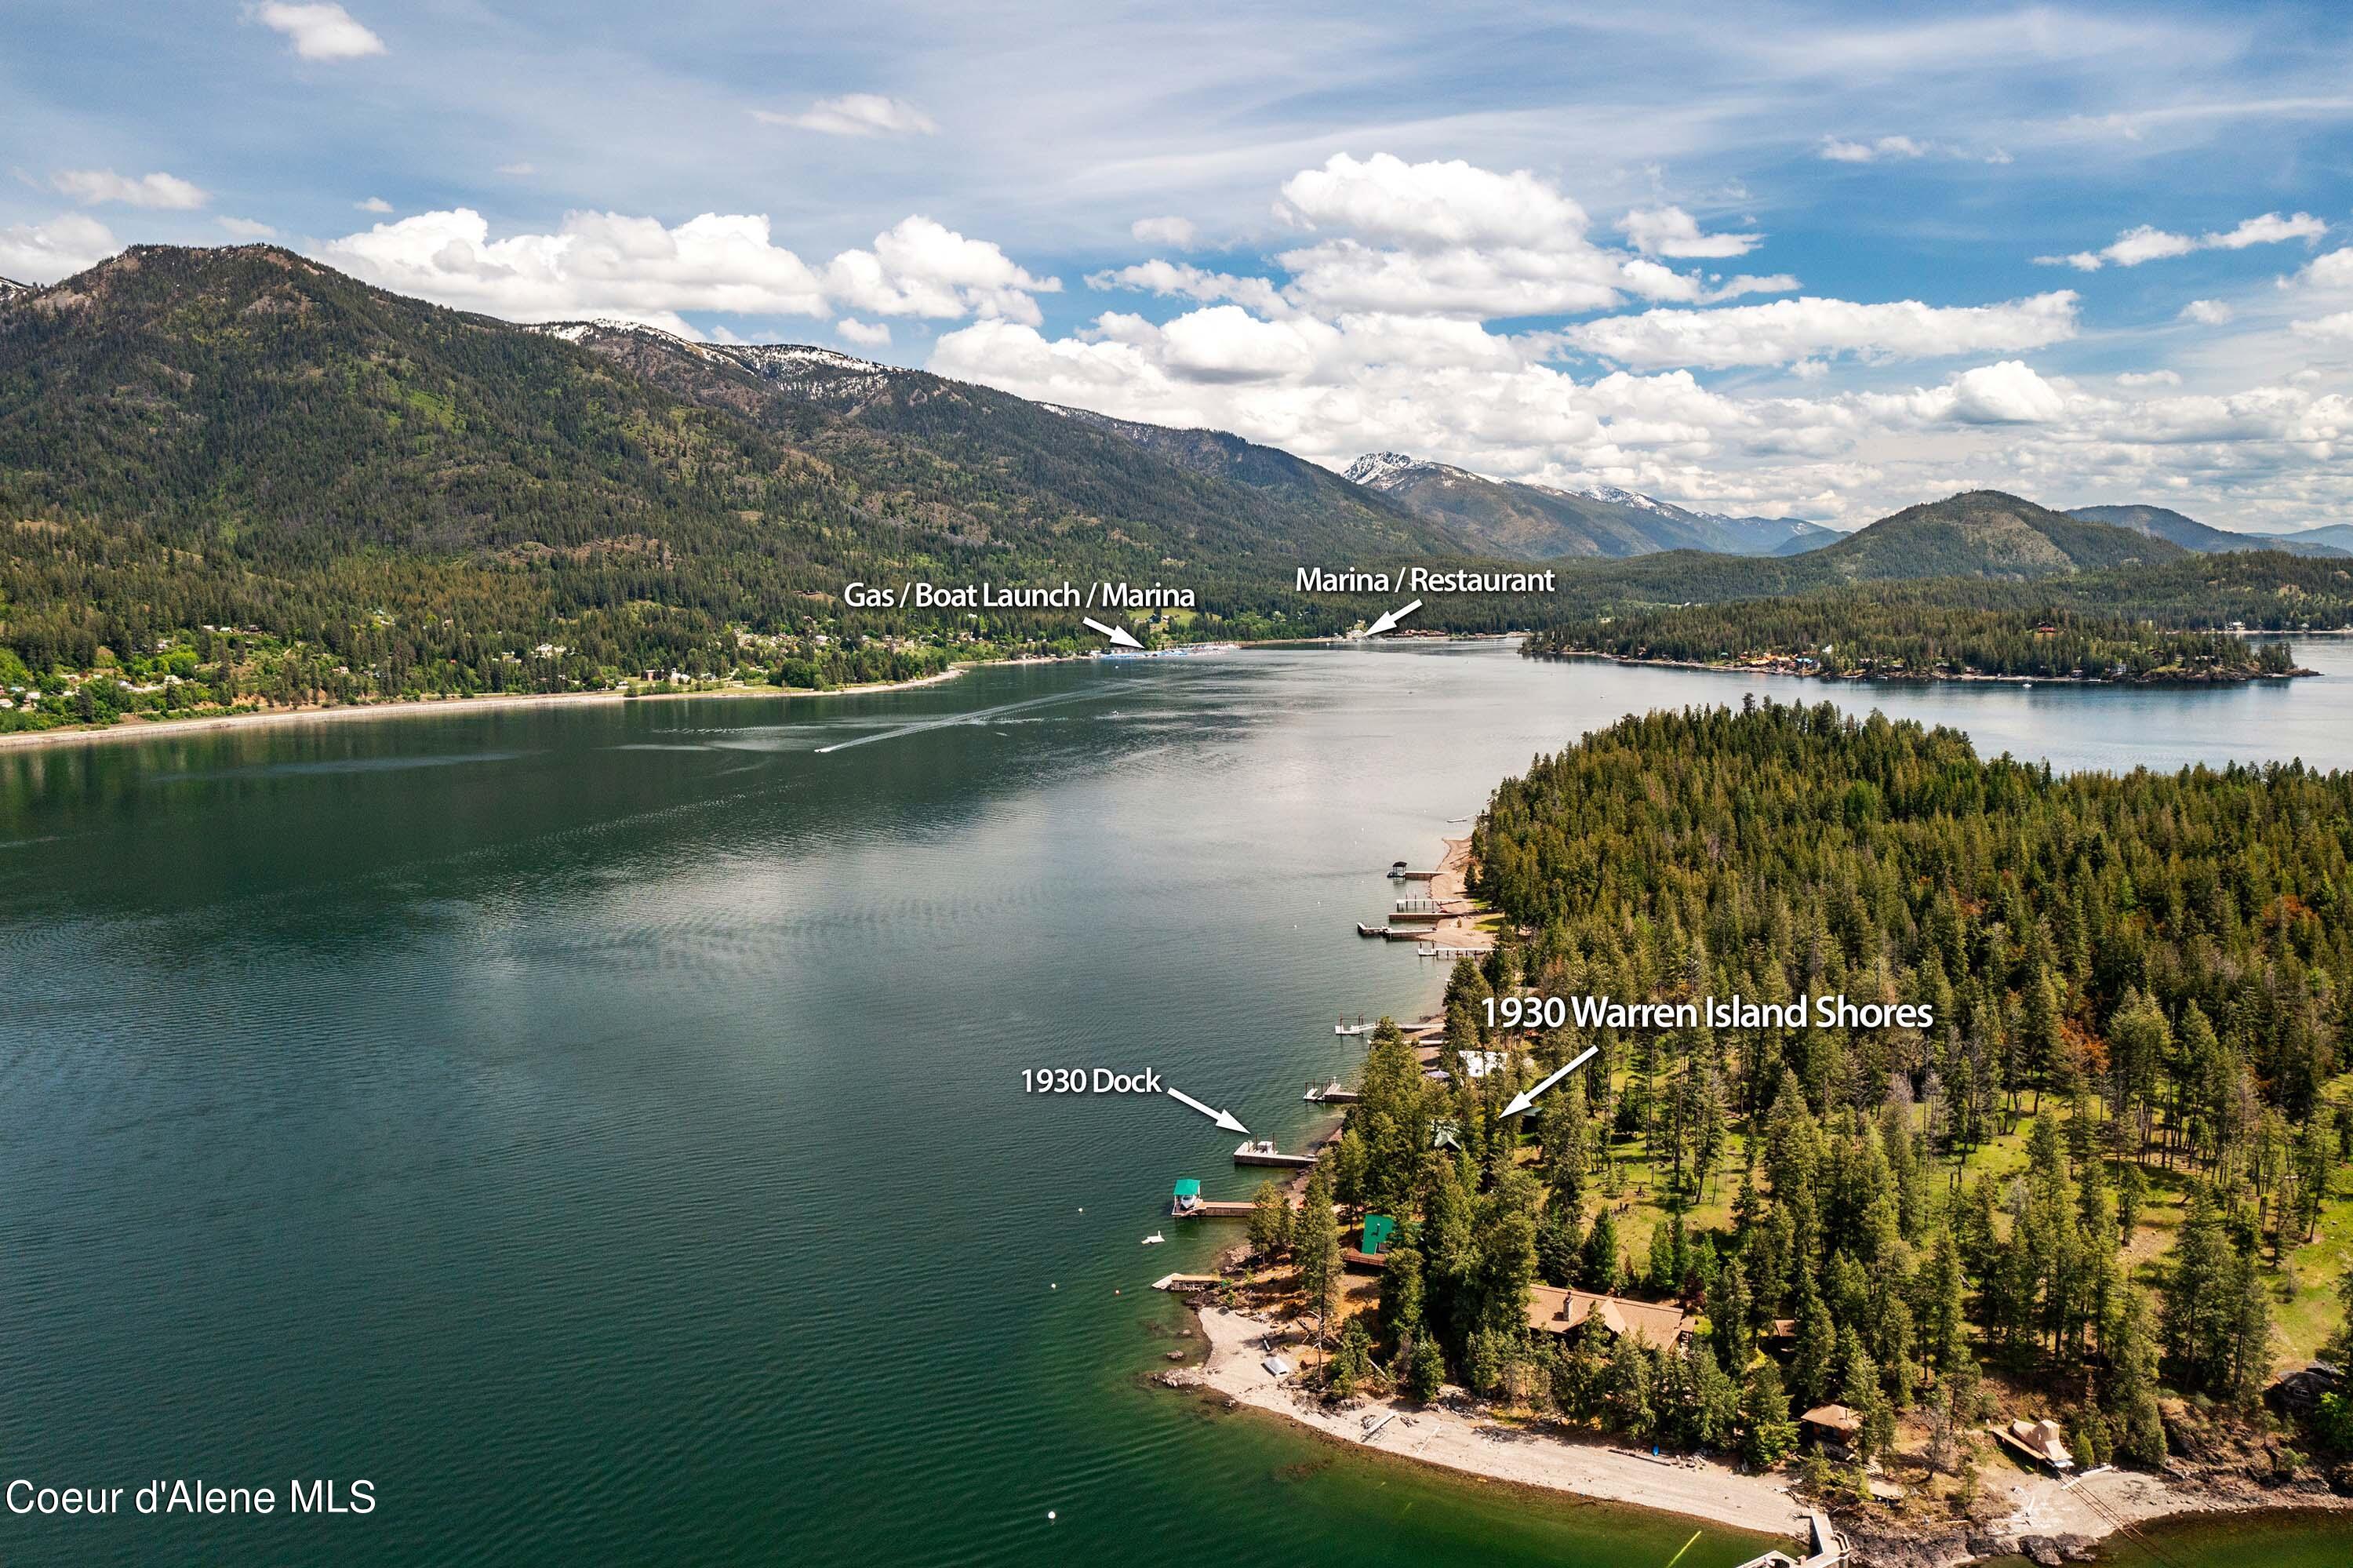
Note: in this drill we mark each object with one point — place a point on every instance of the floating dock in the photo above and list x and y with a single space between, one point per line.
1330 1093
1261 1151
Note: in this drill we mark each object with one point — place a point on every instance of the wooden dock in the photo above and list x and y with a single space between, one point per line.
1212 1208
1186 1281
1330 1093
1354 1258
1263 1151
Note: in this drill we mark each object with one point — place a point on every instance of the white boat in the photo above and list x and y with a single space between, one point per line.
1154 1239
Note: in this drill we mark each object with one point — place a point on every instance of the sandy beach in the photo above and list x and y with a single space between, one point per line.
148 729
1439 1434
1451 1433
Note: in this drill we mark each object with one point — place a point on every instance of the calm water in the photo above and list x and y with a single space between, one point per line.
603 1129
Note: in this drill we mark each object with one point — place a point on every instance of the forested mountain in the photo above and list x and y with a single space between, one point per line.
9 287
2108 1161
2163 523
2335 535
1538 522
931 442
365 494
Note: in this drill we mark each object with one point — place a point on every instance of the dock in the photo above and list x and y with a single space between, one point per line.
1263 1151
1355 1258
1329 1094
1186 1281
1212 1208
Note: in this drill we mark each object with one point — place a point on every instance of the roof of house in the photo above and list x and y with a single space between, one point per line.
1556 1311
2043 1440
1837 1418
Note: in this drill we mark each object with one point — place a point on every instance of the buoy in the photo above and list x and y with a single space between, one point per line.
1050 1513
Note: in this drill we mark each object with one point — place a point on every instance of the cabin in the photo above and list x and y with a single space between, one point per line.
1659 1324
2041 1442
1833 1426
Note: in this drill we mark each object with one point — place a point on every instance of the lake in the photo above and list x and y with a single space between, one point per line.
603 1127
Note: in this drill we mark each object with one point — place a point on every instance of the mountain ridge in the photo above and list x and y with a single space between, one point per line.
2164 523
1536 521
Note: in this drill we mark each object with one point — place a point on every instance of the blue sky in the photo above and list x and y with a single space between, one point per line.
1823 259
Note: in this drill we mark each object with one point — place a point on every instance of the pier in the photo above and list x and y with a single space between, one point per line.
1261 1151
1329 1094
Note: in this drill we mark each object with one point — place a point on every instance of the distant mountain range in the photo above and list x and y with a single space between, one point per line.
243 437
2162 522
1535 521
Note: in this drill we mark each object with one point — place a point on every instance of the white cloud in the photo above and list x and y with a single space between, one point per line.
2269 230
866 334
1177 233
918 268
856 114
1672 231
2149 378
2009 393
1431 207
1179 279
2146 242
609 264
45 252
518 169
2336 328
246 229
90 187
1839 151
1786 331
2206 312
374 204
320 32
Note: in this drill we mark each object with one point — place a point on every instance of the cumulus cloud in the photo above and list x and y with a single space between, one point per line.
374 204
2206 312
1177 233
866 334
1672 231
91 186
1179 279
2149 378
322 32
246 229
636 269
1788 331
855 115
2146 242
45 252
2009 393
1839 151
2335 328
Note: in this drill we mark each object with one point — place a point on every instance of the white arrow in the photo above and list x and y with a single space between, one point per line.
1391 618
1121 637
1527 1097
1223 1119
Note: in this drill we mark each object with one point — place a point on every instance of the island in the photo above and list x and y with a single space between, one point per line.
1996 1203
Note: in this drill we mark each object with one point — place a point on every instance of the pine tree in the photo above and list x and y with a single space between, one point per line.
1767 1435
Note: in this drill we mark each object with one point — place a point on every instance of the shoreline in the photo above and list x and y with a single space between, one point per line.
1969 679
409 707
1442 1435
2030 1514
1454 1434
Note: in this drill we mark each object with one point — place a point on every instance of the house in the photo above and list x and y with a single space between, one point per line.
1659 1324
1831 1426
2041 1442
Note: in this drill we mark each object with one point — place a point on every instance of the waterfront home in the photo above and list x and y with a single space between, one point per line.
1659 1324
2041 1442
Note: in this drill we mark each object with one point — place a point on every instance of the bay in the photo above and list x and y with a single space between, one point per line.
602 1126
